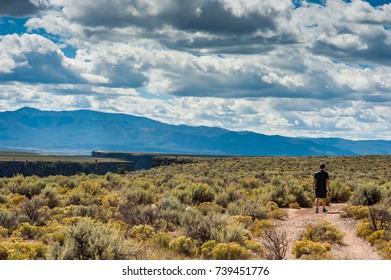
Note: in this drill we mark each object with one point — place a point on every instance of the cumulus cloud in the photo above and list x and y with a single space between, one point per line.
267 66
33 58
21 8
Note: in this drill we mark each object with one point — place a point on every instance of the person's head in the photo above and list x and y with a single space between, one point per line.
322 166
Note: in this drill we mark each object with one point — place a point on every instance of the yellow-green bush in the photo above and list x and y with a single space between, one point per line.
232 232
201 193
230 251
207 249
139 196
294 205
355 212
50 198
277 214
8 219
340 192
88 240
323 231
385 249
3 199
3 232
209 207
17 249
376 236
162 240
28 186
184 245
28 231
302 193
142 232
255 247
112 199
246 221
202 228
248 207
364 228
280 192
259 226
368 194
310 250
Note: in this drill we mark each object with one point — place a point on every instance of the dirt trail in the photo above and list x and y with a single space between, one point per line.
353 248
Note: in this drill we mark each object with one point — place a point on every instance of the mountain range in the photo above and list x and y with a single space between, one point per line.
81 131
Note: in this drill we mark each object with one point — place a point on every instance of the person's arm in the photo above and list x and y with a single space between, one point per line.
328 184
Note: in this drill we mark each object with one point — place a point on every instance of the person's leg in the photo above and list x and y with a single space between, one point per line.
324 204
316 205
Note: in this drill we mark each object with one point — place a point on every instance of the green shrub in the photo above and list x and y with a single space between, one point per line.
89 241
142 232
209 207
32 210
364 228
303 195
3 199
162 240
8 220
249 183
202 228
277 214
230 251
355 212
311 250
232 232
92 211
50 198
184 245
207 249
134 214
255 247
378 236
246 221
280 193
339 191
380 216
323 231
29 187
385 250
249 207
17 249
169 210
366 195
27 231
230 195
3 232
201 193
260 226
139 196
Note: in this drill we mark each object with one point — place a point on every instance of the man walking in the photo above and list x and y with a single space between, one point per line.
321 185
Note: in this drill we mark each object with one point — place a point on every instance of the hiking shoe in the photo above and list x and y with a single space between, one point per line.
325 210
317 210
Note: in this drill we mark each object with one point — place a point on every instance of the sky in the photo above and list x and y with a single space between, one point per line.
292 68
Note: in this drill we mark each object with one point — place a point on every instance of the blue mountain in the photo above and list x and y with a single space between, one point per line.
81 131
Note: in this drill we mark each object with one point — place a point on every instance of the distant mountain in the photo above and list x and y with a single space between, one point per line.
80 132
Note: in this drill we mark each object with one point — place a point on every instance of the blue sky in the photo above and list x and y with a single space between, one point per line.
293 68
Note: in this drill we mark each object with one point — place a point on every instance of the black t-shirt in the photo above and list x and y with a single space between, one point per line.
321 176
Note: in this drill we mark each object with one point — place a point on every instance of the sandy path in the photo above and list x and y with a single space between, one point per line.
353 248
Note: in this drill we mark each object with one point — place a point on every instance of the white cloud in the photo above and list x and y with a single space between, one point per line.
244 65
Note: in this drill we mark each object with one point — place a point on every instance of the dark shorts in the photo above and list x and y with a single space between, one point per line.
320 192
